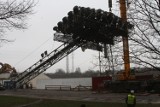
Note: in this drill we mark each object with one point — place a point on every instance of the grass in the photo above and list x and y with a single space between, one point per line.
11 101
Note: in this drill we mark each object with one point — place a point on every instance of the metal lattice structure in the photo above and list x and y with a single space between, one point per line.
46 62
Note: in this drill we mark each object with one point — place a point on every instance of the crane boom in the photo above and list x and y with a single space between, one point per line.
125 41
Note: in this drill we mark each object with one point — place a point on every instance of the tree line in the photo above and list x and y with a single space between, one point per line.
60 73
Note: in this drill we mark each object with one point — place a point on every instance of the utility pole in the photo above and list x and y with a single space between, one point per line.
125 40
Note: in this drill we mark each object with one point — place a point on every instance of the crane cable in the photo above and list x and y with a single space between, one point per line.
33 51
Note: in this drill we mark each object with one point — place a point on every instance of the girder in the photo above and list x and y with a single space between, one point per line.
47 61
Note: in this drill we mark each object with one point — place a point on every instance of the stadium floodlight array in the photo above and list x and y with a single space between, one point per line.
92 25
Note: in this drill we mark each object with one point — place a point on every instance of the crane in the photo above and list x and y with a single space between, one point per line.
125 41
125 81
126 74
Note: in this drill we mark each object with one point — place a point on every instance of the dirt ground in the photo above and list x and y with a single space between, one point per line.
81 95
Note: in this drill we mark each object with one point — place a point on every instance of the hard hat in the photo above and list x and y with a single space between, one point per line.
132 91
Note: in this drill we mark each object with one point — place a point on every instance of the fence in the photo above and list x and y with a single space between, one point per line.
81 87
58 87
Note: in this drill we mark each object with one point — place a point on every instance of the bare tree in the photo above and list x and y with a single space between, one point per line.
13 14
144 43
111 59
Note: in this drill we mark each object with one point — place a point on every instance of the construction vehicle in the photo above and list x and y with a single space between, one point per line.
125 81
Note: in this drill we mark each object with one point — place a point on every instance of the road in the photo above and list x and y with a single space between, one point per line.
81 95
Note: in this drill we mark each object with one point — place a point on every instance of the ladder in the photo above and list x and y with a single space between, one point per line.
47 61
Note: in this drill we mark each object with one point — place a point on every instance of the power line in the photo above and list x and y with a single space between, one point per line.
33 51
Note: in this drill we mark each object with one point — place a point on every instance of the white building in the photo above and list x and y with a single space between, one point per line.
72 82
39 78
42 80
4 77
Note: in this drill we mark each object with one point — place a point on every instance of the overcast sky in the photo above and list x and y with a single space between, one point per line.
30 43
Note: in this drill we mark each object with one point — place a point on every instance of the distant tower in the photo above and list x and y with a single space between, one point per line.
72 61
67 63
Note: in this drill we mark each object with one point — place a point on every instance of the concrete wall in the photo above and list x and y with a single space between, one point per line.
73 82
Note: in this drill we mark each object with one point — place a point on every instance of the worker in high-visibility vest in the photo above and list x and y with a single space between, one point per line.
131 99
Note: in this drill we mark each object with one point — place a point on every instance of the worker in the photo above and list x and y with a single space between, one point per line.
131 99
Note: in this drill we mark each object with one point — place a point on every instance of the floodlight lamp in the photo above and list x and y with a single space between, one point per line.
75 10
42 55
